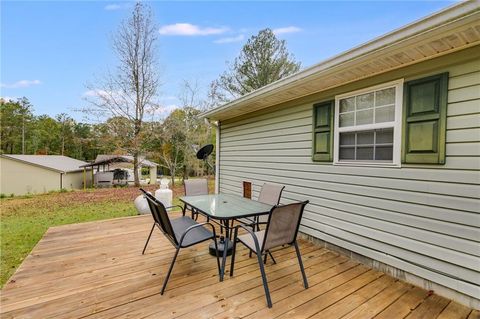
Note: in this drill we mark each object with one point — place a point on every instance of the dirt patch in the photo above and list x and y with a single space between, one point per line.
91 196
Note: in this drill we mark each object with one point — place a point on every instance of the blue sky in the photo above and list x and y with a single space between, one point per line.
50 50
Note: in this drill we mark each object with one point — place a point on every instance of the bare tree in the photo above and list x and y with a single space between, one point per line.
131 91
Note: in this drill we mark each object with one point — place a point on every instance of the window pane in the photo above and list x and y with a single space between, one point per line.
384 136
365 138
385 114
385 97
346 119
384 153
365 101
347 153
347 105
365 153
347 138
364 117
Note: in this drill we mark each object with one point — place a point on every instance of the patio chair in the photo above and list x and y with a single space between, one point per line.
182 232
194 187
269 194
282 229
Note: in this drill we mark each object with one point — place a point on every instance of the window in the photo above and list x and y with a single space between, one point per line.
368 126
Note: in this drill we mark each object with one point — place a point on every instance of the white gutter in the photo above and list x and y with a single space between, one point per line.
411 30
217 157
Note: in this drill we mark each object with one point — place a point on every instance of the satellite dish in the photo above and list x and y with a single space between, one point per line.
204 152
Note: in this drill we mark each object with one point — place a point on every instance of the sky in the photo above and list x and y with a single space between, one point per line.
51 51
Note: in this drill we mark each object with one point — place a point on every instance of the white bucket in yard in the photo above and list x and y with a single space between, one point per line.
164 194
141 205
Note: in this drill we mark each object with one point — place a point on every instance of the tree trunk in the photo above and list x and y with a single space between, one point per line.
172 172
135 169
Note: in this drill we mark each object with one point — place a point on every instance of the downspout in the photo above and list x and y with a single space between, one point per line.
217 157
61 181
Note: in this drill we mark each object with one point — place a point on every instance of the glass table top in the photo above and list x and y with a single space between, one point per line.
226 206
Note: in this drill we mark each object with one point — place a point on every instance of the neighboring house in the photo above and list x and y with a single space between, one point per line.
384 140
33 174
104 163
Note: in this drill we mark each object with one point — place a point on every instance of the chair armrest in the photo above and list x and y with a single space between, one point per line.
193 227
181 208
255 239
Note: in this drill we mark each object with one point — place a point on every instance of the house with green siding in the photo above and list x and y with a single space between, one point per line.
384 140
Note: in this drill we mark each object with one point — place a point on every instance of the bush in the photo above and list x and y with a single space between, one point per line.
2 195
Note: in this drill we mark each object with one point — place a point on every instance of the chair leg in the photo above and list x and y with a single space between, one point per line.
194 214
148 239
169 271
264 279
305 282
250 253
265 259
271 256
216 249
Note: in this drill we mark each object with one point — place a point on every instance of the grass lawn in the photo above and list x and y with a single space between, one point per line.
24 220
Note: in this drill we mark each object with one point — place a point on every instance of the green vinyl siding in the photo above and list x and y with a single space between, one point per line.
419 218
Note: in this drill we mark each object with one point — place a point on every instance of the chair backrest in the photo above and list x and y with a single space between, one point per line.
270 194
160 216
283 224
195 187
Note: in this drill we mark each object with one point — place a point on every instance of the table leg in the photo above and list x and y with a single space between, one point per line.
228 233
224 258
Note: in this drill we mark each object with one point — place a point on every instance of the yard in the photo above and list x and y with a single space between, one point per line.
26 219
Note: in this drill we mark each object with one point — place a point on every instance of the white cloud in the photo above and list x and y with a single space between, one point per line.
20 84
168 109
95 93
238 38
187 29
284 30
8 98
116 6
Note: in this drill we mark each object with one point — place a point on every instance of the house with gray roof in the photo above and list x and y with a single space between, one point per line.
34 174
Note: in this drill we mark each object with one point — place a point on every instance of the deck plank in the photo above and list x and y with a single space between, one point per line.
430 308
454 310
96 270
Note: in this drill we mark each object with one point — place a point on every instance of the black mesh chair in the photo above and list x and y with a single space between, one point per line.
182 232
282 229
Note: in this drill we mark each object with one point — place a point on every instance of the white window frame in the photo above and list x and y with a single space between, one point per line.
396 124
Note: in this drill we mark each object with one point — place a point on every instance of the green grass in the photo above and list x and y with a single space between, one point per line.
20 232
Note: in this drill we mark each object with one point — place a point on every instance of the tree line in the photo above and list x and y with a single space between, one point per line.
171 142
126 99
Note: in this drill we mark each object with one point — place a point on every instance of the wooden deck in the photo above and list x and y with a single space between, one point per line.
96 270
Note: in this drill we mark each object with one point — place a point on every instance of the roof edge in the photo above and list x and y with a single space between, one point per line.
434 20
39 165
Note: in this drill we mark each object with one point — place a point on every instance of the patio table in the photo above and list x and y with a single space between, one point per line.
224 209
